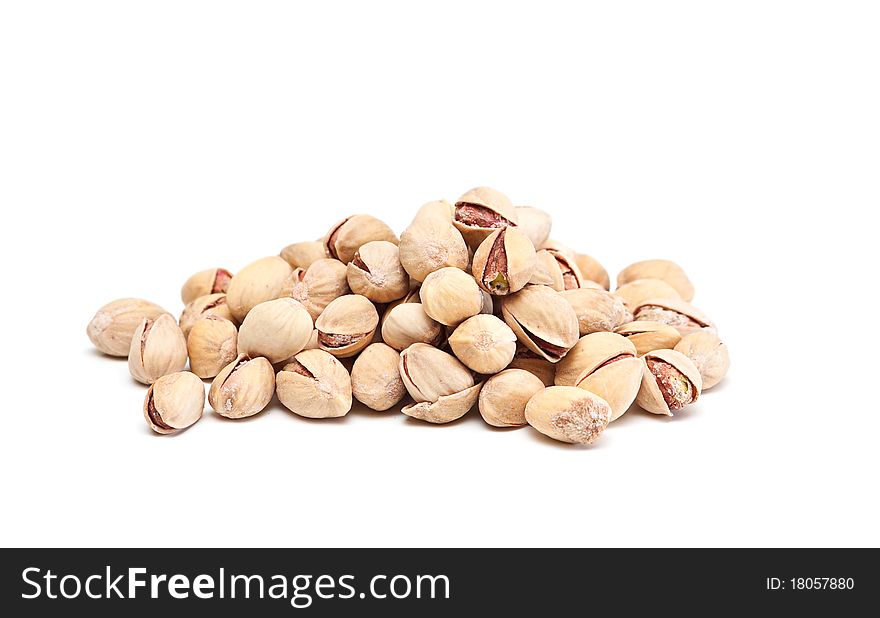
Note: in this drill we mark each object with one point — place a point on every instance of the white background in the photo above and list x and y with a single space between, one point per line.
140 142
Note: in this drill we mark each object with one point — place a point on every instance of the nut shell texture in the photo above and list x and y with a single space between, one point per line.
709 355
504 397
315 385
244 388
157 349
113 326
276 329
450 296
174 402
542 320
375 377
568 414
666 270
256 283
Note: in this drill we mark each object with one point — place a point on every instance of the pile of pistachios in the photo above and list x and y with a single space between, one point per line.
473 306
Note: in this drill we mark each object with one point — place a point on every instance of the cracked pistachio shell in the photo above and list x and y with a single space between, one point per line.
347 325
572 278
314 385
668 376
174 402
447 408
318 285
429 244
542 320
605 364
536 365
256 283
484 343
407 323
211 344
202 307
596 310
347 236
568 414
376 272
429 373
650 336
636 292
534 223
211 281
666 270
158 348
547 271
504 262
276 329
113 326
375 377
450 296
244 387
709 355
504 397
592 270
481 211
304 254
679 314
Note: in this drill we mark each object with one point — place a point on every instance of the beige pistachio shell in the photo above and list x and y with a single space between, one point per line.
375 377
276 329
592 270
158 348
202 307
547 271
256 283
243 388
212 344
113 326
649 336
447 408
174 402
504 262
450 296
536 365
668 271
407 323
636 292
211 281
480 211
679 314
429 373
347 325
534 223
542 320
568 414
709 355
504 397
376 273
314 385
596 310
566 259
429 244
685 383
484 344
590 353
318 286
304 254
347 236
438 209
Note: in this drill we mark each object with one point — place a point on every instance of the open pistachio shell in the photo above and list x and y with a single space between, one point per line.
542 320
429 373
534 223
174 402
568 414
533 363
244 387
158 348
447 408
480 211
256 283
679 314
314 385
668 271
636 292
203 307
709 355
347 236
347 325
504 262
670 381
649 336
211 281
596 310
375 272
566 259
547 271
318 285
113 326
212 344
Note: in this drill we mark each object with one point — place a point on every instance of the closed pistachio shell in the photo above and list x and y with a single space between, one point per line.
158 348
174 402
649 336
592 270
202 307
534 223
347 325
256 283
709 355
572 278
636 292
547 271
407 323
670 381
429 373
480 211
438 209
447 408
568 414
276 329
484 344
244 387
681 315
533 363
504 262
542 320
668 271
212 344
211 281
114 324
375 377
347 236
304 254
596 310
315 385
376 273
318 285
450 296
504 397
429 244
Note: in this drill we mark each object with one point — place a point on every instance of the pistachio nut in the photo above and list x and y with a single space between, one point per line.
347 236
158 348
547 271
533 363
542 320
429 244
670 381
666 270
318 285
681 315
484 343
314 385
596 310
592 270
304 254
450 296
649 336
347 325
636 292
572 278
429 374
568 414
407 323
375 272
114 324
605 364
438 209
504 262
244 387
202 307
375 377
504 396
211 281
534 223
709 355
256 283
276 329
480 211
447 408
212 344
174 402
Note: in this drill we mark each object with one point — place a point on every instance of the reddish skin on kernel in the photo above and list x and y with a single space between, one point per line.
676 388
221 281
480 216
